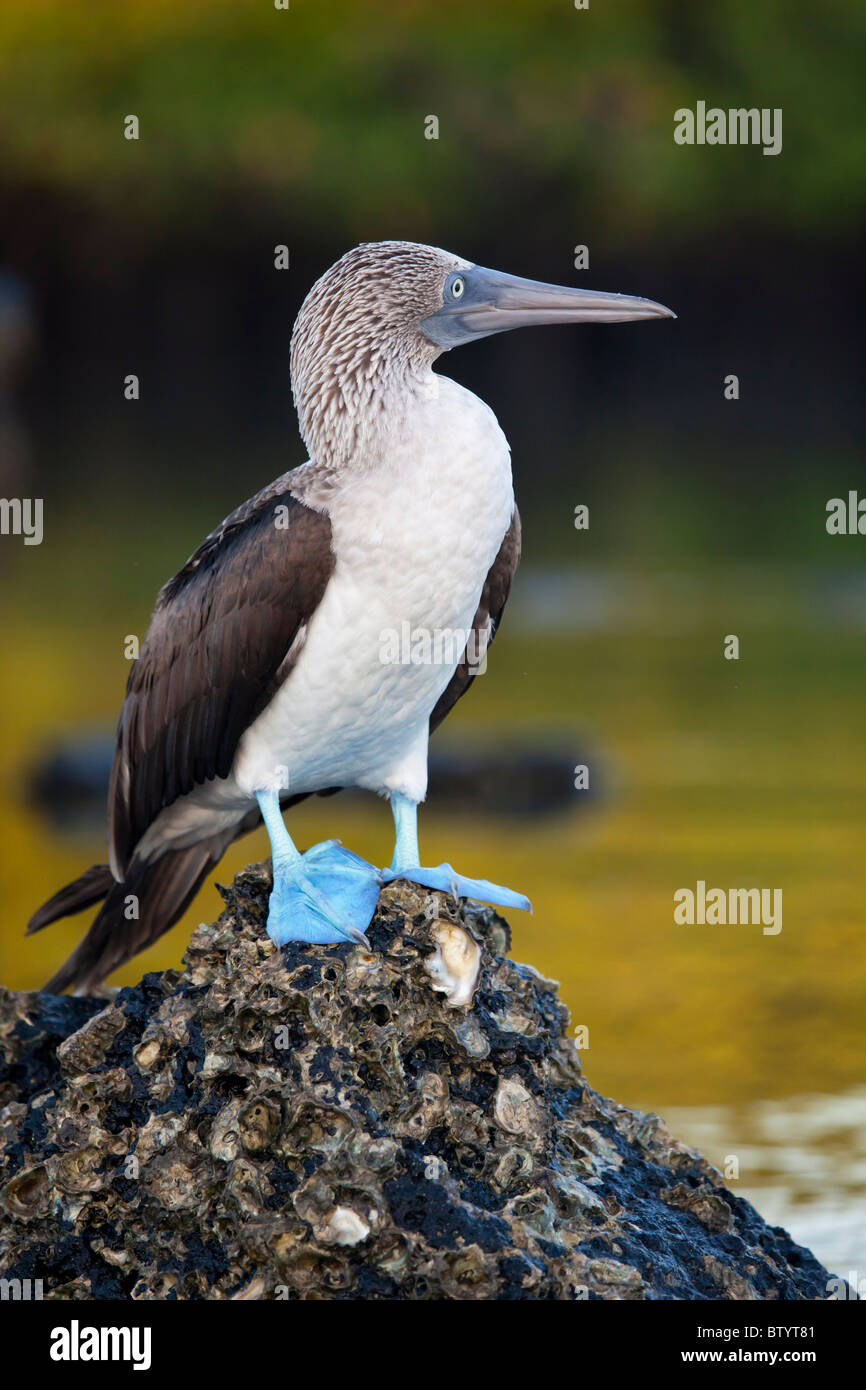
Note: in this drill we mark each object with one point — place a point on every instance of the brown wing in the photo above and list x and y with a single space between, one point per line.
215 652
494 596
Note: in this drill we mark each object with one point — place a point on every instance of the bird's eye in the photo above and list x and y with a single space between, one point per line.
457 287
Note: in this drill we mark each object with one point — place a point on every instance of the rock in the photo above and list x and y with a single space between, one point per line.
328 1122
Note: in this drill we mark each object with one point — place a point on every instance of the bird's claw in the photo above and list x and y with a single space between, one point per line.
446 879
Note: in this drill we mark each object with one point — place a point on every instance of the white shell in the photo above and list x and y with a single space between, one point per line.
455 964
345 1227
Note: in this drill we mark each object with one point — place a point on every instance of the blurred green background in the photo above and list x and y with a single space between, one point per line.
707 517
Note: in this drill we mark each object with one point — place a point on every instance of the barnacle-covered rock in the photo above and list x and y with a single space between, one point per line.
331 1122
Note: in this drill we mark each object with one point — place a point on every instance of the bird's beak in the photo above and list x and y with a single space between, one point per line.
493 302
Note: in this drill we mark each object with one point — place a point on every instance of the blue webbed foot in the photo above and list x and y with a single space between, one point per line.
447 880
327 895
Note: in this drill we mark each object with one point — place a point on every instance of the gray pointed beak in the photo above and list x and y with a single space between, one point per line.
492 302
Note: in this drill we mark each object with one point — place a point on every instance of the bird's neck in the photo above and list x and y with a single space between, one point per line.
352 414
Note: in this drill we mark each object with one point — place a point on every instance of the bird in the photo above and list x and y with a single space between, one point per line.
269 671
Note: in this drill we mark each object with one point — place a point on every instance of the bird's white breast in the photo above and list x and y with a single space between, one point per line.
414 538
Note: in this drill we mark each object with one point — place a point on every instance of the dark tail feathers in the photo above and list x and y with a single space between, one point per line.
90 888
158 892
164 889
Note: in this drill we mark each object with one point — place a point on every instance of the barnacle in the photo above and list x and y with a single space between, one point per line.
455 964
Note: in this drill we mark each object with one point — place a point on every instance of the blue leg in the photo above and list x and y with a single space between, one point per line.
406 864
325 895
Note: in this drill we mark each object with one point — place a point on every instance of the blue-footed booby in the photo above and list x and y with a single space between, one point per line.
263 678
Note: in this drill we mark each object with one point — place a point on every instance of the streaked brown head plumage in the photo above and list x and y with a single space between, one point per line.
358 339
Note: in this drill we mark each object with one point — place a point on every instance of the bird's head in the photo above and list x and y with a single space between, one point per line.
382 313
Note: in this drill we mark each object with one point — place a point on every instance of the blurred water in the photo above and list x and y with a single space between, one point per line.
802 1164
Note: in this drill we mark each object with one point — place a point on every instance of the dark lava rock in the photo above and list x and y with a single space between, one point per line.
328 1122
